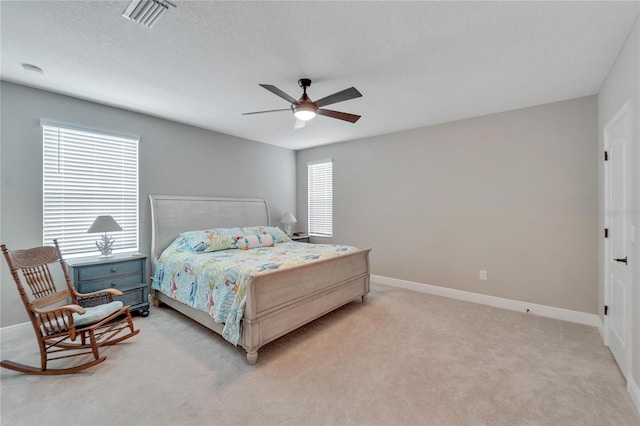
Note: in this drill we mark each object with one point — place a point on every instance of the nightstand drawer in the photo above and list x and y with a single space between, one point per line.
134 296
92 272
115 282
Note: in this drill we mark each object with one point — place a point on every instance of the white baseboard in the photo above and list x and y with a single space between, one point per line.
600 327
498 302
634 391
8 331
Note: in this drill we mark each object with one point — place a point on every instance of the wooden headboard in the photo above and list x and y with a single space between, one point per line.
173 214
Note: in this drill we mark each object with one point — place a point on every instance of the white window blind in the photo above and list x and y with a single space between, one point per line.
87 174
320 196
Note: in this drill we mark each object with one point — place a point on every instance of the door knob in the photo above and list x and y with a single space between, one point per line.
622 260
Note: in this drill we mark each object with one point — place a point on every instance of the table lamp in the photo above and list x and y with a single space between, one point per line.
288 219
104 224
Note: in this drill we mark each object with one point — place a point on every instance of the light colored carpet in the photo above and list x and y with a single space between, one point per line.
403 358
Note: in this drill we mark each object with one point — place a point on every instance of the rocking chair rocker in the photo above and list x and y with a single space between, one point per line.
95 317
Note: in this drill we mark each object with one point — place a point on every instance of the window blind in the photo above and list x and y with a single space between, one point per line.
320 196
87 174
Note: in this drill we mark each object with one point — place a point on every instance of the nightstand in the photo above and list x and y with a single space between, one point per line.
300 238
125 272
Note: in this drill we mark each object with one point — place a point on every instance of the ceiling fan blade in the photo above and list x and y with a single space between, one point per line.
299 124
278 92
344 95
262 112
352 118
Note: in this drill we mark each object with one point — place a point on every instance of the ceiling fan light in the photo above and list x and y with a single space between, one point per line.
305 110
304 114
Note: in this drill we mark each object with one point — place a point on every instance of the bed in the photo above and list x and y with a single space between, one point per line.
276 302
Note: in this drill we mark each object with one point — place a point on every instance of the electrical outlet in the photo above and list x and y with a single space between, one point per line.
483 275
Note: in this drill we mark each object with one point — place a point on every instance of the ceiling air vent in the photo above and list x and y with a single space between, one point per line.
146 12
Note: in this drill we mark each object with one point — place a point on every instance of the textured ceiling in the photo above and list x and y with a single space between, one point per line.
416 63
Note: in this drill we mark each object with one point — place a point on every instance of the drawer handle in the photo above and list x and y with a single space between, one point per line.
114 269
113 283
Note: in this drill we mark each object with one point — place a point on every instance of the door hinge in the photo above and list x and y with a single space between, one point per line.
606 309
606 232
606 156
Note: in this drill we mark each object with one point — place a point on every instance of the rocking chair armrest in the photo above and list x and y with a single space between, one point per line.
97 297
112 291
59 319
73 308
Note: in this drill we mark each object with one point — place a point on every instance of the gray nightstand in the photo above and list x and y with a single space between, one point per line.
300 238
125 272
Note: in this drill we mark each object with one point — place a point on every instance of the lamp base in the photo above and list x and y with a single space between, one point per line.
288 229
105 245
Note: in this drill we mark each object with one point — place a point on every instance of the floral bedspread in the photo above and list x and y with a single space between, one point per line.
216 282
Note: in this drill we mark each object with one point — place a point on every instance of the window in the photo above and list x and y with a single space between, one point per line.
88 173
320 196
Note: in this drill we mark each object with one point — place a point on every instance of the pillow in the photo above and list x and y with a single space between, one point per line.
209 240
198 240
180 244
230 232
220 242
247 242
253 230
278 234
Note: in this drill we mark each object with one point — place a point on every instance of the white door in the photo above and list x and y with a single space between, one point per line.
617 139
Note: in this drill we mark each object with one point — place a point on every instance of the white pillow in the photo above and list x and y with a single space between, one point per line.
247 242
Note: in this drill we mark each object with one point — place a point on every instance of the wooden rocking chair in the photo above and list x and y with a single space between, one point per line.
95 317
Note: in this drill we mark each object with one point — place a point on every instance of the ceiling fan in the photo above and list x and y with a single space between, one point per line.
305 109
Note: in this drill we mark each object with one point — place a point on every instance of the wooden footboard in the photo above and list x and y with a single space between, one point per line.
279 288
282 301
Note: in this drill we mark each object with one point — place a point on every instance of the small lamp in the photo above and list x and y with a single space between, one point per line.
104 224
288 219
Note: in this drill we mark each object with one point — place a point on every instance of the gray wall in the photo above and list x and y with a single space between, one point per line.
174 159
513 193
621 85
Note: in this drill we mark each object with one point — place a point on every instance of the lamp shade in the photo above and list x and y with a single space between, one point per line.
104 224
288 217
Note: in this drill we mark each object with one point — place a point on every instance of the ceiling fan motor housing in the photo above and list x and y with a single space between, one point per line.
304 82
